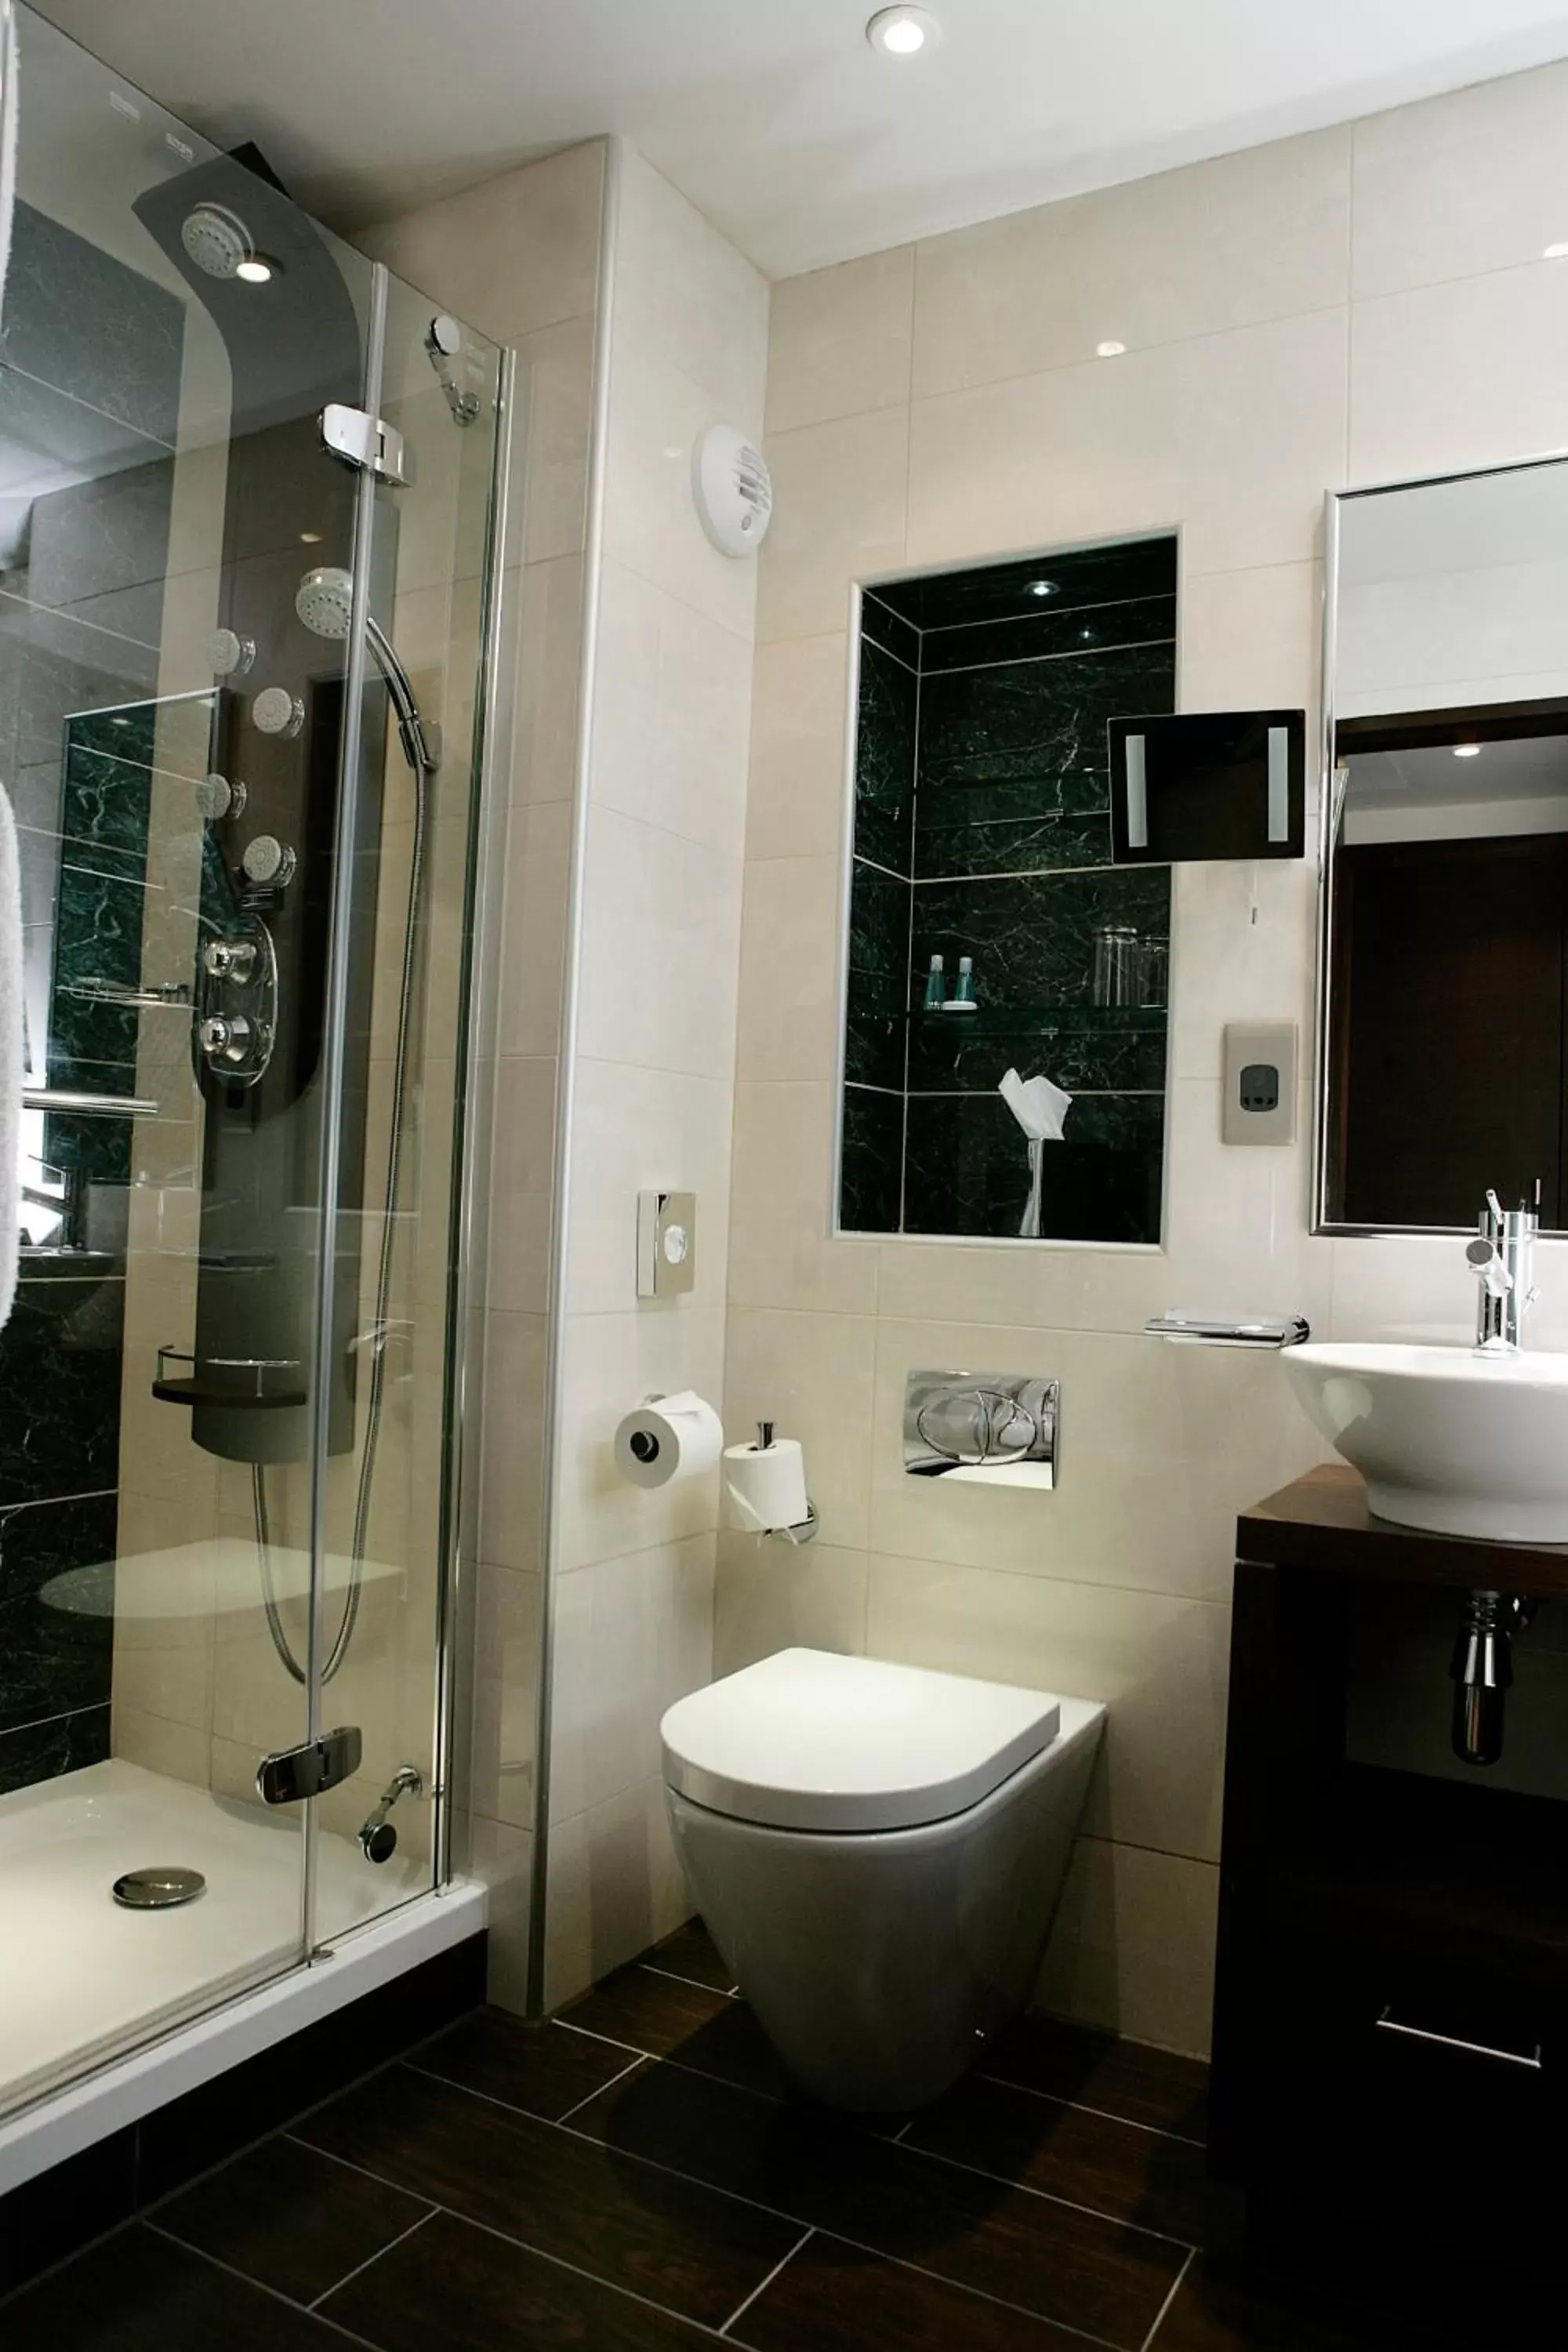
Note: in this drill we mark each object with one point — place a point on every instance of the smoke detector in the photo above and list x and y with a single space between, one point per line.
733 490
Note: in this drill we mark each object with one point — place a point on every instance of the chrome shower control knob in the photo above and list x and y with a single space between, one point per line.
218 798
229 654
267 861
276 711
230 960
225 1038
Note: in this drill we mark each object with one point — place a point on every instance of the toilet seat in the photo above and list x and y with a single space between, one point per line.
811 1740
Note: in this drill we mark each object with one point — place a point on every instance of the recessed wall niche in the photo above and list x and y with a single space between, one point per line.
981 836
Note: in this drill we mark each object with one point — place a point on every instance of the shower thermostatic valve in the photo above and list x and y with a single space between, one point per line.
236 1012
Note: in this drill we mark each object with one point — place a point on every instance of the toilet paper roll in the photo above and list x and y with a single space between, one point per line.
669 1437
766 1486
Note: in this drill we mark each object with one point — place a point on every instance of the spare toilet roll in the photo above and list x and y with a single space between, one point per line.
669 1437
766 1485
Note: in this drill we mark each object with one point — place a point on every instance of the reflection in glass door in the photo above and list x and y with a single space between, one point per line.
235 717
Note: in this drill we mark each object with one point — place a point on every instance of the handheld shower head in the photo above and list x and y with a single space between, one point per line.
324 601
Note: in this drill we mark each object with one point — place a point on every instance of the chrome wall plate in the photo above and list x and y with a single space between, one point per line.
667 1243
981 1422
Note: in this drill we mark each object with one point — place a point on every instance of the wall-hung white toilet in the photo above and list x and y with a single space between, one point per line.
879 1853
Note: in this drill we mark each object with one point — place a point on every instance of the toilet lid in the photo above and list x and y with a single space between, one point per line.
809 1740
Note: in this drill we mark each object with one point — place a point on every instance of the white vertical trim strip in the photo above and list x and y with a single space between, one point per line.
1137 795
1278 784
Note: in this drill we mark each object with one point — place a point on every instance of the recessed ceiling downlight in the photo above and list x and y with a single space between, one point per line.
1043 587
903 32
1467 751
256 271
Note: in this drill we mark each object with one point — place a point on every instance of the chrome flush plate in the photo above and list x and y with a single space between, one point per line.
983 1423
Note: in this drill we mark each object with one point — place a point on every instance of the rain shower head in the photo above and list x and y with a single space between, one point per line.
324 601
216 240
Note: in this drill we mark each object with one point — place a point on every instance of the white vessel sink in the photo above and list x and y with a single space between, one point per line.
1462 1443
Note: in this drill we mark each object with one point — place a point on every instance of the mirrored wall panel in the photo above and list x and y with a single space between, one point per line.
1445 971
1007 987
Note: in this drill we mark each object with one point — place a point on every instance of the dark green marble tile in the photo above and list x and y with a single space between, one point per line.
42 1751
1013 763
886 628
53 1660
1032 937
59 1388
967 1171
885 760
879 979
1129 570
974 645
1080 1049
871 1156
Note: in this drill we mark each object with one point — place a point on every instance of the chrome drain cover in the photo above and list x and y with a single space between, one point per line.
158 1890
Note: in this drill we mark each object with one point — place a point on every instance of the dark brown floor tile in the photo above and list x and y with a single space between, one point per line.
455 2286
694 2026
1096 2275
541 2069
680 2244
1213 2312
290 2217
1098 2070
1123 2169
138 2291
691 1952
831 2298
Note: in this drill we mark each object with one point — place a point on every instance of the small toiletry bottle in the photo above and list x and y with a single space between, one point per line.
963 997
936 986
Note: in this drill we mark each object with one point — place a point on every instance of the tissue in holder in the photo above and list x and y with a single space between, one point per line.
766 1485
667 1438
1041 1109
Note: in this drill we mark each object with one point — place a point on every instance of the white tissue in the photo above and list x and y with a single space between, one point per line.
766 1485
667 1438
1041 1109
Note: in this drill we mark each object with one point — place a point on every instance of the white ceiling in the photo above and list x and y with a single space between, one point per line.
774 116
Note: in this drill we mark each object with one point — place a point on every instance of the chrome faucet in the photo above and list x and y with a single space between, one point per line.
1502 1259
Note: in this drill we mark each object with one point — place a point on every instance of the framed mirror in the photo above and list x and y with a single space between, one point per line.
1442 967
1004 1040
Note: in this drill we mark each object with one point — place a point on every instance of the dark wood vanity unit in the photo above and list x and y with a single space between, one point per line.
1391 2021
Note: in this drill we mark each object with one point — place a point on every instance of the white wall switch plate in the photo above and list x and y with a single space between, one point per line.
1259 1097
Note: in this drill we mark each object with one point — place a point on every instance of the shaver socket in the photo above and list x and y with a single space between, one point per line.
1259 1082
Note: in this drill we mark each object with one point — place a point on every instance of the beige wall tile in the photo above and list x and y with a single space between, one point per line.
1459 374
781 1250
511 1461
775 1596
1159 1664
1260 235
657 414
685 288
613 1886
521 1175
798 798
841 340
790 982
1462 184
548 679
1148 1491
661 928
840 494
533 929
811 1374
501 1771
636 1130
632 1636
1133 1950
1253 640
556 365
611 1363
1232 437
670 737
513 255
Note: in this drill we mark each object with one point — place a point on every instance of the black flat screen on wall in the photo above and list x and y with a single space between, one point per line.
1207 784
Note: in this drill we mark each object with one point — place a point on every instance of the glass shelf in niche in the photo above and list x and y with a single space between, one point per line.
1047 1020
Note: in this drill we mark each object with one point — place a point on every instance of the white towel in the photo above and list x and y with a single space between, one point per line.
8 132
10 1058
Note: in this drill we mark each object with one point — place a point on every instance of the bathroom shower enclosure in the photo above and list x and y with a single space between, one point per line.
248 489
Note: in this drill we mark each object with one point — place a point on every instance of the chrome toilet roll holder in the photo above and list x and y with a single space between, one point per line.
808 1529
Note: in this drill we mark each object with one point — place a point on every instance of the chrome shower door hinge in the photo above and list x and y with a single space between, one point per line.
363 441
293 1774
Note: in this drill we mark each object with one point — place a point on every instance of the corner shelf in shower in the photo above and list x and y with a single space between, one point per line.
1048 1020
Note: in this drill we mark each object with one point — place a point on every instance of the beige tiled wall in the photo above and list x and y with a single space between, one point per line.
1365 303
652 1092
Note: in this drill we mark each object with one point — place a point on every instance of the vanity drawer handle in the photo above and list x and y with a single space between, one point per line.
1389 2024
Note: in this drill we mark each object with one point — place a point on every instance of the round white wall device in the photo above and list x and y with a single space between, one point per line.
733 490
